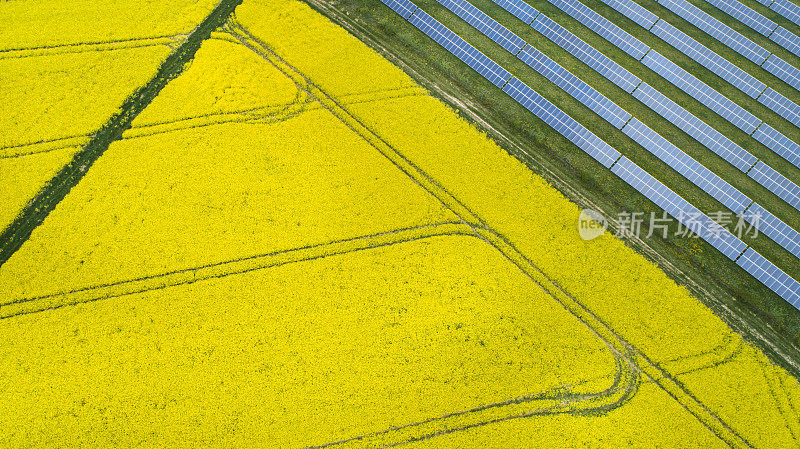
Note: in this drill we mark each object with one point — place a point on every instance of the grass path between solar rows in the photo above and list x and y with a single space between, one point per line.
482 110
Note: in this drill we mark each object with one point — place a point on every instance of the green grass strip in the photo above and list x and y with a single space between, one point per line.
70 175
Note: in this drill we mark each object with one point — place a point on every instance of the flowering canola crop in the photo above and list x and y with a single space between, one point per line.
295 245
64 71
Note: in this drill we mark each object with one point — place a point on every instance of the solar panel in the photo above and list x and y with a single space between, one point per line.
687 166
774 228
574 86
778 143
561 122
700 131
657 192
717 29
771 276
520 9
403 7
460 48
603 27
746 15
708 59
765 2
679 208
485 24
776 183
716 235
786 39
634 12
586 53
787 9
783 70
701 92
785 107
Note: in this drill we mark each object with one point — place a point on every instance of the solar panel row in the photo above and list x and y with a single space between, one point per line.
485 24
402 7
538 61
774 228
776 183
701 92
742 45
715 101
765 2
759 23
711 98
520 9
460 48
561 122
699 130
634 12
717 29
586 53
679 208
785 107
787 9
603 27
778 143
746 15
709 59
655 143
783 70
574 86
771 276
687 166
786 39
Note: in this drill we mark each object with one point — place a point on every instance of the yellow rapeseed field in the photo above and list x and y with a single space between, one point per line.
295 245
65 67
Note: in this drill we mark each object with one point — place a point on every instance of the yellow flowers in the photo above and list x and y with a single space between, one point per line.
54 22
65 70
294 245
23 177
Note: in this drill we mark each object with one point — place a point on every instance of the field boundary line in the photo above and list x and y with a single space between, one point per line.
36 304
87 47
263 114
